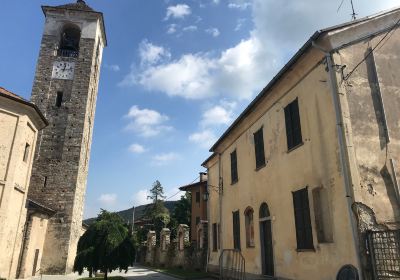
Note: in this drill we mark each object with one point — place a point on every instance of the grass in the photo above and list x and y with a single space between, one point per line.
101 277
181 273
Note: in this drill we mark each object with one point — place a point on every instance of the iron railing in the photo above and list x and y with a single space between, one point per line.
232 265
67 53
384 249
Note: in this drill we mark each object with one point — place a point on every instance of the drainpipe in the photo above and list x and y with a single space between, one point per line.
208 219
343 152
220 187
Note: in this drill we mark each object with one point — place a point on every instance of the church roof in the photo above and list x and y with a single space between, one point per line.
79 5
14 97
9 93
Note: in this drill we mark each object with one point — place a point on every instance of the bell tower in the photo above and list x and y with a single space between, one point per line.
65 90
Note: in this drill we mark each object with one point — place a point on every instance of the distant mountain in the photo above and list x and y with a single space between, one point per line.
127 214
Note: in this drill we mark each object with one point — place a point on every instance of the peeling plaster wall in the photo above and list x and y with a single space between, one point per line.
369 149
370 100
314 164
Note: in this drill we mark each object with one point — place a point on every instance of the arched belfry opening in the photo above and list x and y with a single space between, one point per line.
69 41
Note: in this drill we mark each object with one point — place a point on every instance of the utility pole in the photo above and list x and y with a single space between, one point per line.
133 218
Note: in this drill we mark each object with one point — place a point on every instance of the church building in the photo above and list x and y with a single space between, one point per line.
64 92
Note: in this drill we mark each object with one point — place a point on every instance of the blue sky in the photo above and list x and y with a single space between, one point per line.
175 75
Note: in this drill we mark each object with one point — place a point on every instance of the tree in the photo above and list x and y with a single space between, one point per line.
156 192
156 212
181 214
107 245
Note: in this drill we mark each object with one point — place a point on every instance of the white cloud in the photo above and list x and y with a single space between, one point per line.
112 67
239 24
193 81
146 122
108 199
239 4
137 149
219 114
171 28
178 11
140 198
213 31
190 28
165 158
205 138
151 54
241 71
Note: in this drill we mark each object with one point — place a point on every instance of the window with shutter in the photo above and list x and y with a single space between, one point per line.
215 236
293 126
236 230
197 197
302 218
259 148
234 171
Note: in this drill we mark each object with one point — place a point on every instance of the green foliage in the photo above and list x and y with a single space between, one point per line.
107 245
156 212
181 213
156 192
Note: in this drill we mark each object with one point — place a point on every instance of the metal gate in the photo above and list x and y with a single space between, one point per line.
384 248
231 265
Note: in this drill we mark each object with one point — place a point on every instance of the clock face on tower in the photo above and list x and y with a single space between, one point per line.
63 70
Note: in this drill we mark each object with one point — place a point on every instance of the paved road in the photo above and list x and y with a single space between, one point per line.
134 273
141 273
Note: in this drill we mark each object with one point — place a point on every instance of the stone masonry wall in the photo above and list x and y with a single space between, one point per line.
62 155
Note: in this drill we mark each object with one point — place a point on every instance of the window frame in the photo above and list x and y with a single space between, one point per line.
59 99
294 137
249 226
259 149
302 218
236 230
215 237
26 152
234 167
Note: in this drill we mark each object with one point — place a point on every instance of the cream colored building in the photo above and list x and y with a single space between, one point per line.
309 168
20 122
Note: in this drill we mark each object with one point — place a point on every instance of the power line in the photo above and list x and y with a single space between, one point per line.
377 45
180 190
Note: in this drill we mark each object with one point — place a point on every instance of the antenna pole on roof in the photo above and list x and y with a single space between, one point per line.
353 15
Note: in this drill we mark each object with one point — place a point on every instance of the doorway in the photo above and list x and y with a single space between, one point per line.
267 254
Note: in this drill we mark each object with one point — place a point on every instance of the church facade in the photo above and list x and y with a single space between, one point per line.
65 91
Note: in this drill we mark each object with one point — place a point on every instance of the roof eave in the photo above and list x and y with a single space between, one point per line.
29 104
265 90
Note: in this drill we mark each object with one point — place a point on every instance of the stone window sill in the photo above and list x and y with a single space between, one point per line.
295 147
306 250
261 166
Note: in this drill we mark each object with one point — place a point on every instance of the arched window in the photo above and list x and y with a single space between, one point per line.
249 222
264 211
69 41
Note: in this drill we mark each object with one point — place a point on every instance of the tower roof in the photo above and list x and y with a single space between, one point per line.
79 5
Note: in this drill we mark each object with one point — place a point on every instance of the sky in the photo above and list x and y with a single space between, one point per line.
175 74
